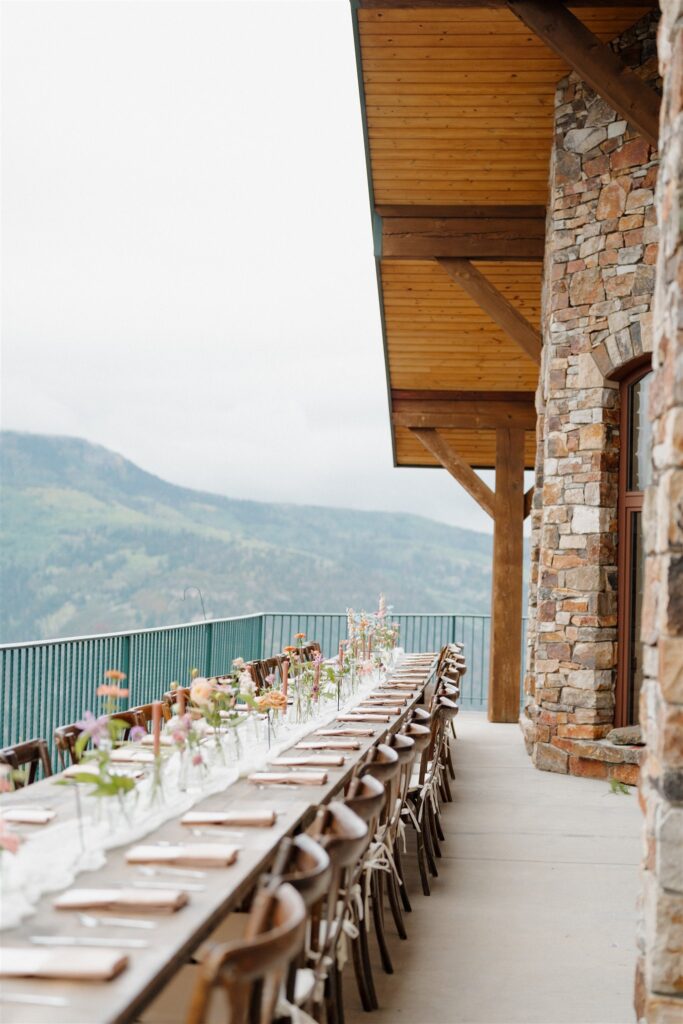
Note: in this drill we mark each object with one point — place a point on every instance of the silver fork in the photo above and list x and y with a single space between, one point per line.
151 871
88 921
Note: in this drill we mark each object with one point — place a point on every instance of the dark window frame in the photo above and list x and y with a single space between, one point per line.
630 503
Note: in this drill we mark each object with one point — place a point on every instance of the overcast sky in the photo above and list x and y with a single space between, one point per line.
187 254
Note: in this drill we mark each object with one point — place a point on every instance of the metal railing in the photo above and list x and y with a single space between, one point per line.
49 683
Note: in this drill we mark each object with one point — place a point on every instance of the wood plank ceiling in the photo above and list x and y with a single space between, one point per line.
458 113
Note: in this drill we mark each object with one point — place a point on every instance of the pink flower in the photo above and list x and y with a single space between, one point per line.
6 779
197 759
270 678
95 727
137 733
317 657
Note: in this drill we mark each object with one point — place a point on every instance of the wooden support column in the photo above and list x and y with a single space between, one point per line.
506 604
507 508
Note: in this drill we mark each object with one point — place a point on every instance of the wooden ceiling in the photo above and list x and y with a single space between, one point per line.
458 103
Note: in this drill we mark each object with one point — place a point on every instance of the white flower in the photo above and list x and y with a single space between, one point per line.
247 684
238 664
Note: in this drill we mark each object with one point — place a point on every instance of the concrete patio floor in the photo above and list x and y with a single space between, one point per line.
532 918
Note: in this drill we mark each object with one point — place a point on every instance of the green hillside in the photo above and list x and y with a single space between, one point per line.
91 543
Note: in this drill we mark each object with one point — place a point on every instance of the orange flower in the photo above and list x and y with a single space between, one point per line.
289 650
299 636
106 690
115 673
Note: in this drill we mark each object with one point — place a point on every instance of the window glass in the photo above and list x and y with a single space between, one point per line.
640 431
636 652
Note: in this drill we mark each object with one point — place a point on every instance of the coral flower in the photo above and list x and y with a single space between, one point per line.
201 691
116 674
107 690
289 650
299 636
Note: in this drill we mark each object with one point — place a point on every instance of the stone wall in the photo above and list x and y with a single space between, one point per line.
659 986
599 280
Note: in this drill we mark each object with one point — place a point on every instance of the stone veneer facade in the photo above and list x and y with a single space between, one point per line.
601 249
659 980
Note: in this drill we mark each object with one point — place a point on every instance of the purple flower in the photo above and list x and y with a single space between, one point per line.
137 733
317 657
96 728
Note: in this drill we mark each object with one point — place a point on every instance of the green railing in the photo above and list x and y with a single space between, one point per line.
50 683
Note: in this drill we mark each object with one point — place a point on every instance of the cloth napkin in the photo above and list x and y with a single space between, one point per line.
365 718
129 900
28 815
244 818
132 755
288 778
208 855
83 965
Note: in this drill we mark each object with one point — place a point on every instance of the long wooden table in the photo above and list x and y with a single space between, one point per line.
177 935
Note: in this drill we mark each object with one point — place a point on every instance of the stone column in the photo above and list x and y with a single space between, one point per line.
598 285
659 978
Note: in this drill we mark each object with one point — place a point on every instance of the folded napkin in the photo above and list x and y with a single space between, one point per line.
244 818
130 900
132 755
288 778
84 965
366 717
208 855
27 815
165 740
316 761
342 744
348 731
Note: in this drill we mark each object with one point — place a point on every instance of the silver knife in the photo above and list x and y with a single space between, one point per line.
80 940
19 997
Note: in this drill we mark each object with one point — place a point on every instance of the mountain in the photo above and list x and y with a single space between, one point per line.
91 543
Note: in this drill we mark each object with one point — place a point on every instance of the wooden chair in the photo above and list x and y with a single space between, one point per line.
31 753
366 797
264 668
384 764
250 972
66 736
145 712
303 863
344 836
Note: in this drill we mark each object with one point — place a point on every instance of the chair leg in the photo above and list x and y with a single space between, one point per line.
361 981
428 833
403 889
395 904
422 864
439 830
364 947
378 920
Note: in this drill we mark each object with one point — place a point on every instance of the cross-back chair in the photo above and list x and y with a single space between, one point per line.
30 755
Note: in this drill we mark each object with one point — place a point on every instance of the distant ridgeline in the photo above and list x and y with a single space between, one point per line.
91 543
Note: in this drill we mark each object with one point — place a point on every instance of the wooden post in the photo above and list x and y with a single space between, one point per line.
506 602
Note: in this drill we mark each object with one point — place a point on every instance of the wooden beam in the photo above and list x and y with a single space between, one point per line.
594 61
407 5
463 212
444 453
434 395
428 236
496 305
472 414
506 598
528 500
